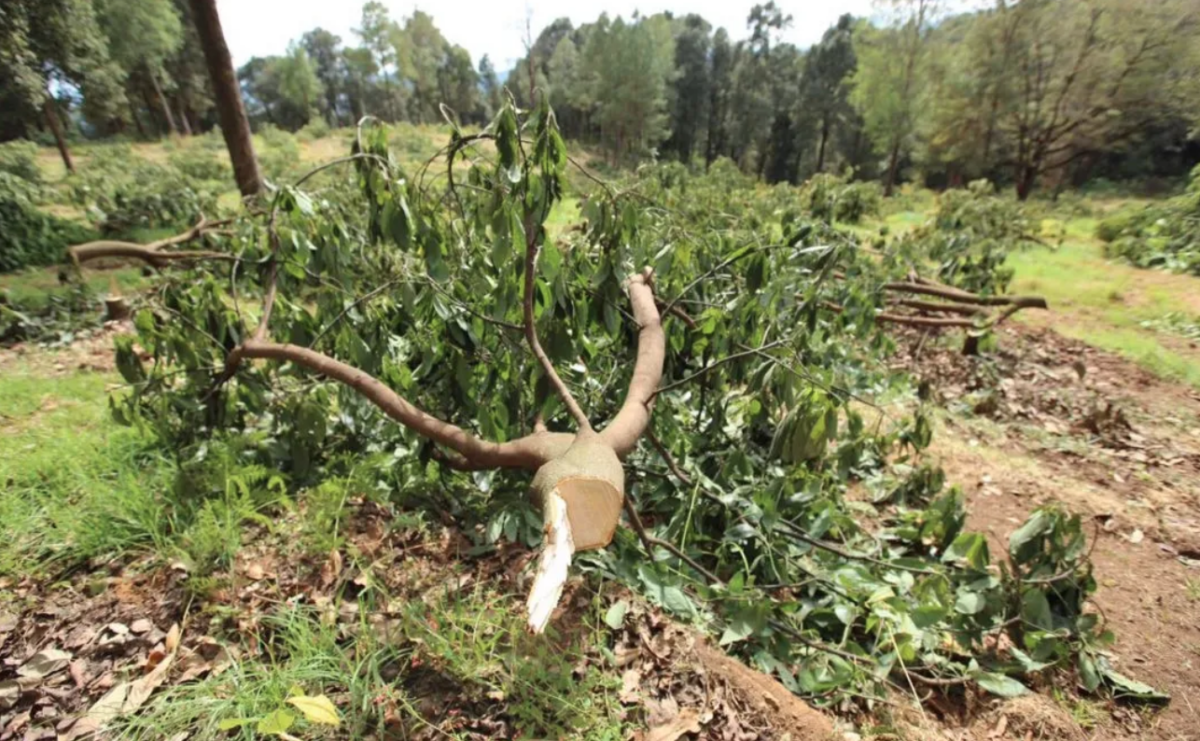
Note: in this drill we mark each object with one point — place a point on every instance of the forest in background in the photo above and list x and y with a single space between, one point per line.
1040 92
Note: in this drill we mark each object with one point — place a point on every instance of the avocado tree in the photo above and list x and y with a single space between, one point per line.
453 329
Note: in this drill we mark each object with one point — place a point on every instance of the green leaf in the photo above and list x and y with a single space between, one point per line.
970 603
1035 609
1089 675
1124 687
317 709
276 723
999 684
615 617
231 723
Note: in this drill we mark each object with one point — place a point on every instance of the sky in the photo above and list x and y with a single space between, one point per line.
497 27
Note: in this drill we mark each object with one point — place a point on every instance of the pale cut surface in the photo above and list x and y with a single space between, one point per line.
554 564
594 508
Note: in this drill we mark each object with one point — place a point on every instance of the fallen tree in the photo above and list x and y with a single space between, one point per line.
451 340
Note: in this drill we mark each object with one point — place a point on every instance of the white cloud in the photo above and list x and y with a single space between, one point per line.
496 27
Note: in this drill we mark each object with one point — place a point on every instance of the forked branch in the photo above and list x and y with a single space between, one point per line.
155 253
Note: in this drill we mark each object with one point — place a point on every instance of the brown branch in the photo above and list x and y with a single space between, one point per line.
937 306
151 253
965 297
627 426
564 393
529 452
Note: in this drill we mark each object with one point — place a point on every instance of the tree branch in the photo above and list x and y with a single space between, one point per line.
528 453
564 393
151 253
627 426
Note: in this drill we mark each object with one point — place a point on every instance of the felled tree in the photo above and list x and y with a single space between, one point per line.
578 478
452 295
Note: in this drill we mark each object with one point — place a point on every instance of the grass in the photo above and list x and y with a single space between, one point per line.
76 486
1106 304
430 655
32 289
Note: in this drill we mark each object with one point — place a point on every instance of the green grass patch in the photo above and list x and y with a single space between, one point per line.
1140 347
435 665
34 288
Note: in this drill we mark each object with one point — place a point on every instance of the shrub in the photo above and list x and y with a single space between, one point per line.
279 153
316 128
198 163
19 158
28 235
122 192
831 198
1163 235
970 237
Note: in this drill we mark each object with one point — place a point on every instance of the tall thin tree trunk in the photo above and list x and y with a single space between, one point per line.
893 165
155 123
162 102
56 129
234 124
183 122
137 121
821 148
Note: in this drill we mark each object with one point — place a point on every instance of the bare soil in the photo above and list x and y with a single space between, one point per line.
1050 419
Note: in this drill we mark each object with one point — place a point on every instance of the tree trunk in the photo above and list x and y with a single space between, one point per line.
183 121
1025 182
234 124
821 148
893 165
162 102
154 122
56 129
137 121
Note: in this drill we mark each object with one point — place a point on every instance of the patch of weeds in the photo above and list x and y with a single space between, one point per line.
1176 323
301 654
478 639
230 493
1192 589
1086 714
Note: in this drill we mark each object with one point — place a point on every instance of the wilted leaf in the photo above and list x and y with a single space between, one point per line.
276 723
44 662
1128 688
615 617
317 709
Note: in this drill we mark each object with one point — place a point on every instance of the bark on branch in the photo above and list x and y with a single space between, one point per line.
155 253
627 426
529 453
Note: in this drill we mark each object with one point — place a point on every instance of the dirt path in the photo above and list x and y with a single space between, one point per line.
1026 429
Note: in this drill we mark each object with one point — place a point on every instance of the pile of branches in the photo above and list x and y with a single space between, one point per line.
441 335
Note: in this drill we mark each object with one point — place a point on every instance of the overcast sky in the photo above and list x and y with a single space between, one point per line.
496 27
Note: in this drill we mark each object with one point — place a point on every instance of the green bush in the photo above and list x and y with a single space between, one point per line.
831 198
279 153
122 191
200 163
1163 235
970 236
28 235
19 158
316 128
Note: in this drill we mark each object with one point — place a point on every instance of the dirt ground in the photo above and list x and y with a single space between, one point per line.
1050 419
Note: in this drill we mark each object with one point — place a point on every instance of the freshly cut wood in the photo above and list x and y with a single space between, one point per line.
554 564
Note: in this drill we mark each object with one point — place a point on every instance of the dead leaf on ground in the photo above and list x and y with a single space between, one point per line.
688 721
44 662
